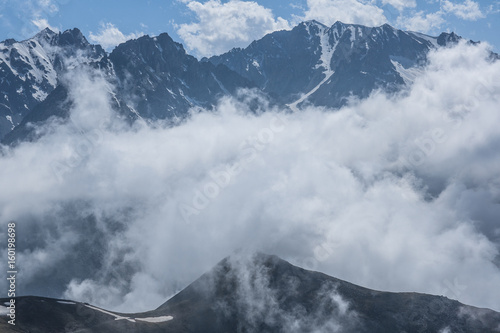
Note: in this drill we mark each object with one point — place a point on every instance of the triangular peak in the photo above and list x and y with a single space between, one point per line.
313 22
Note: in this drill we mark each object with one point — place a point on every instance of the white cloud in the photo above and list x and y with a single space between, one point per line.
371 193
27 17
431 22
110 36
400 4
468 10
422 22
222 26
48 6
42 24
346 11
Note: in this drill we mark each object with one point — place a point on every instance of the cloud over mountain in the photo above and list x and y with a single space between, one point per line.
222 26
110 36
346 11
392 192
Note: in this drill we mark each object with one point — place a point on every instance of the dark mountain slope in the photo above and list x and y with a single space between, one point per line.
263 293
153 78
164 81
326 66
30 69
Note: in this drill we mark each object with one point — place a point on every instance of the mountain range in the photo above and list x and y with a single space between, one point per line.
30 70
261 293
154 78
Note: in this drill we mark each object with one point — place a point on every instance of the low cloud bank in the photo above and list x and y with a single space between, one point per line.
397 193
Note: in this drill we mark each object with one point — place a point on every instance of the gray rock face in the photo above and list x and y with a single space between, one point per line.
154 79
165 81
327 65
263 293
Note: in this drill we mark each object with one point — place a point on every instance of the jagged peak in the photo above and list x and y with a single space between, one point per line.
74 33
252 261
128 43
388 26
68 37
162 40
339 23
46 32
45 35
313 22
165 38
9 41
253 257
446 38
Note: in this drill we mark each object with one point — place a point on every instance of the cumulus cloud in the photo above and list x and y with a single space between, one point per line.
27 17
400 4
346 11
468 10
43 23
47 5
110 36
432 21
422 22
395 193
222 26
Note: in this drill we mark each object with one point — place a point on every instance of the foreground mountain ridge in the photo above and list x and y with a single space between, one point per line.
154 78
262 293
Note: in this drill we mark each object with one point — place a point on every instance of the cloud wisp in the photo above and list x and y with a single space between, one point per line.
222 26
346 11
25 18
468 10
110 36
427 22
266 295
394 193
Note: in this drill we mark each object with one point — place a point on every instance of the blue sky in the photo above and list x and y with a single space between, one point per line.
215 26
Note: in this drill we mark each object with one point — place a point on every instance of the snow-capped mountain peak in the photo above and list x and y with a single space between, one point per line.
29 70
156 79
323 65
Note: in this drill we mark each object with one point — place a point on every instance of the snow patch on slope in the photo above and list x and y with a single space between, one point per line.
327 51
9 118
66 302
159 319
117 317
430 39
325 61
408 74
